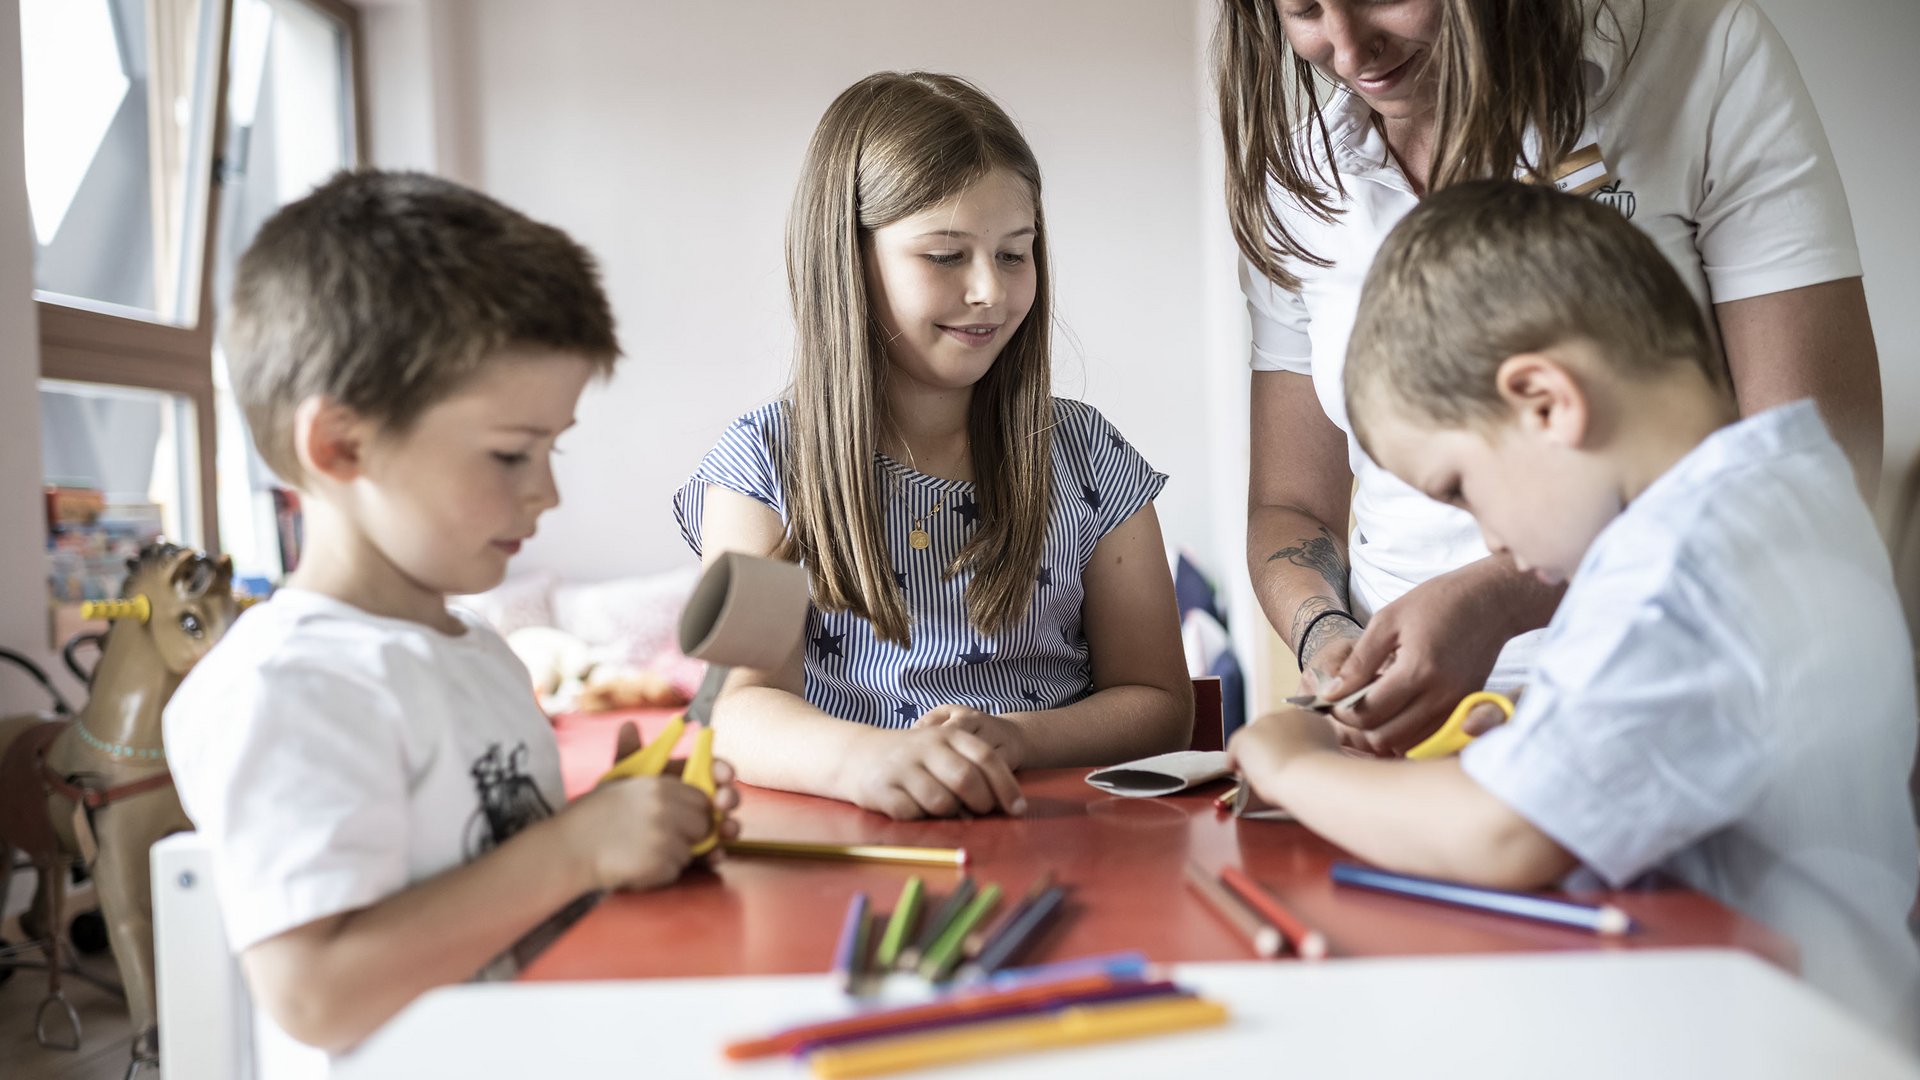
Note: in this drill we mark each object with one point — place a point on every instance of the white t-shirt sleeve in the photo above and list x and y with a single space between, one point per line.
1628 744
1280 341
1773 213
302 791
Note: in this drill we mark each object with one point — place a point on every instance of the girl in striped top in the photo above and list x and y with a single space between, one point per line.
989 590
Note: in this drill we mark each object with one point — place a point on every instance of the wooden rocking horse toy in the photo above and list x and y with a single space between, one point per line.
95 786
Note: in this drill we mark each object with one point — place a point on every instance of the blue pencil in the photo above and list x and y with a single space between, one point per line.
1120 965
850 955
1598 918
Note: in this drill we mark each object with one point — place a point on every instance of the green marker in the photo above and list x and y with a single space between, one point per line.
906 912
940 959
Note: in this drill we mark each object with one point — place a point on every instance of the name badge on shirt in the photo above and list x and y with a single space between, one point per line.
1583 172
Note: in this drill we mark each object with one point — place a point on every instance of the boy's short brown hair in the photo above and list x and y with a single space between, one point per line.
385 291
1486 270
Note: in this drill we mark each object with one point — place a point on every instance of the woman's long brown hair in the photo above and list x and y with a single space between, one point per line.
1499 67
890 146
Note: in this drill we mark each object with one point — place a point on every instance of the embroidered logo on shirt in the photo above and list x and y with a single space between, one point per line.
1620 200
509 800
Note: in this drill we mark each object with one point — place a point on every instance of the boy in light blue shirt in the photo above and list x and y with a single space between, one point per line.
1726 692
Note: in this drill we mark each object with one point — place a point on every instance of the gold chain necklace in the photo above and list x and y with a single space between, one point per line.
918 538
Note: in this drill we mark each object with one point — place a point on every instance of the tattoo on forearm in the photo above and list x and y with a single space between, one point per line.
1320 554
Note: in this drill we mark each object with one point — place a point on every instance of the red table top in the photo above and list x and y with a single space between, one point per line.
1123 859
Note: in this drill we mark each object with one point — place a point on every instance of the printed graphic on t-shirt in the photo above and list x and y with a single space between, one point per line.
509 800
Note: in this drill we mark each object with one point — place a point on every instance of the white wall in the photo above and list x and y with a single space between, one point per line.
1857 57
23 583
667 136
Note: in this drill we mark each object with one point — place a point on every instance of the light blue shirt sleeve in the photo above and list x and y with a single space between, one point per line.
1638 735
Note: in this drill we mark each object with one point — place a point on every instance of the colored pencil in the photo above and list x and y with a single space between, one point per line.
1602 919
1225 801
850 852
937 924
1120 965
1069 1027
906 912
1265 939
1106 995
964 1003
1310 944
940 959
977 940
849 957
1023 931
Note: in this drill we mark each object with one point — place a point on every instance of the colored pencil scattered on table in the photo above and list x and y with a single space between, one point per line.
945 953
1016 936
963 1003
850 852
1308 943
1598 918
1119 991
1265 939
1225 801
1121 965
979 938
906 912
1069 1027
936 924
849 957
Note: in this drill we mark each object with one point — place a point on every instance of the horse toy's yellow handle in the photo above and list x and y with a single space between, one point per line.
1450 740
651 760
137 608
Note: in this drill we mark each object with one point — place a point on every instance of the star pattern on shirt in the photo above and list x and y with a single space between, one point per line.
1046 576
977 655
825 645
900 578
1034 697
1090 496
907 711
968 508
1115 441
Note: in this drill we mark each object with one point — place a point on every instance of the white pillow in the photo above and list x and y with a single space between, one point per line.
634 617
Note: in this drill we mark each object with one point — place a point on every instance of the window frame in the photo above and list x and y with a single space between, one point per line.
81 344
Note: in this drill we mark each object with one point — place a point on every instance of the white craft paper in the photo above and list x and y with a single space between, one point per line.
1162 774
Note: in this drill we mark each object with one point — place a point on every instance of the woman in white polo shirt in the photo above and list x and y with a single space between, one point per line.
1688 116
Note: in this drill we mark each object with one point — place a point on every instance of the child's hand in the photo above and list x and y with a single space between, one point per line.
726 797
937 770
636 833
1000 733
1261 751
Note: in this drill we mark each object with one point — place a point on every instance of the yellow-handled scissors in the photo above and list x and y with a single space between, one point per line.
745 611
1450 740
651 759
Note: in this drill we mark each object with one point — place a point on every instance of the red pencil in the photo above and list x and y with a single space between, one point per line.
1309 943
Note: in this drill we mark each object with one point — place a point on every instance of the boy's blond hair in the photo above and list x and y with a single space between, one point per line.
386 291
1486 270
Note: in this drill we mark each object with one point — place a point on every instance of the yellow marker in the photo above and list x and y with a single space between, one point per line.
1069 1027
850 852
138 608
1450 740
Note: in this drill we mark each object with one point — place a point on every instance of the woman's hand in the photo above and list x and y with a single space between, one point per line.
1429 649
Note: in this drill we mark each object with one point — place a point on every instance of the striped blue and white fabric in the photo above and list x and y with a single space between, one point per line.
1041 662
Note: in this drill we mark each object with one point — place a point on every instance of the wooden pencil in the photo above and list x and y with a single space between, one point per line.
936 924
849 956
1604 919
850 852
1309 943
1265 939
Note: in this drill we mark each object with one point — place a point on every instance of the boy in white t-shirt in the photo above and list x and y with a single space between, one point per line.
1727 691
380 792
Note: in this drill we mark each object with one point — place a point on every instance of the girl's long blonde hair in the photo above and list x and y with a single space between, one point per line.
890 146
1500 67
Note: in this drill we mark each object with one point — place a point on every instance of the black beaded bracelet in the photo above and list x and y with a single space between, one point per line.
1300 653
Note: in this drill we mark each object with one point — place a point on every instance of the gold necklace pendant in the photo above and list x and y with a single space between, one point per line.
918 540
